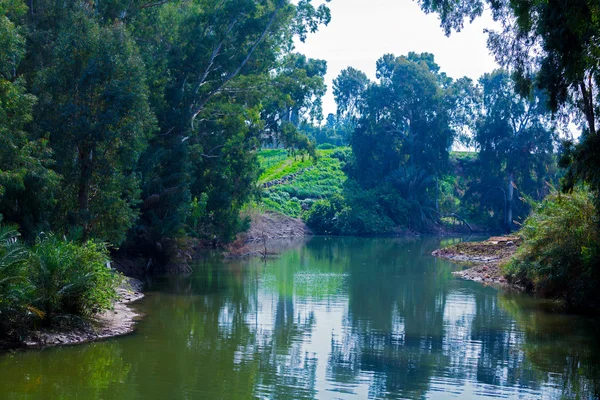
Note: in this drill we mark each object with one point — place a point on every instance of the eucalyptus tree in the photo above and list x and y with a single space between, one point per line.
403 136
211 69
94 105
151 108
515 139
348 90
404 121
26 183
553 46
292 99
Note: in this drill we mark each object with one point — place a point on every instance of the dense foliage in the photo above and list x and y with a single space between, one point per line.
561 250
134 122
402 128
553 47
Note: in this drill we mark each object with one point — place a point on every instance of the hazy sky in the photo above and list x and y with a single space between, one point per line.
361 31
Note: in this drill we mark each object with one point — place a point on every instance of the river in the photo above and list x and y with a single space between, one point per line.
336 318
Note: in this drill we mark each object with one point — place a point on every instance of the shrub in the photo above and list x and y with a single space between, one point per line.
15 289
322 216
342 154
561 251
72 279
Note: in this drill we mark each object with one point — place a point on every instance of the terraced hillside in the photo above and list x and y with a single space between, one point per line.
292 184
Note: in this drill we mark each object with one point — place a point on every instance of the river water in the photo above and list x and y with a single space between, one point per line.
336 318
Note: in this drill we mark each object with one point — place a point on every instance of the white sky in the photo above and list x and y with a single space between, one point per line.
361 31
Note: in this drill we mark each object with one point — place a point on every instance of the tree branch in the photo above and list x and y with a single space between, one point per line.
234 73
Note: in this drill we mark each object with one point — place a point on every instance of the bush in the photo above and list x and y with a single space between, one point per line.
15 289
322 216
69 278
356 214
343 154
561 251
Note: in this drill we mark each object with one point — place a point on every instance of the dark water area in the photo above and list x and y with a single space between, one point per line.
337 318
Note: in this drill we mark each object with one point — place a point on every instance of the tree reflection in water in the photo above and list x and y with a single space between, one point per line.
335 318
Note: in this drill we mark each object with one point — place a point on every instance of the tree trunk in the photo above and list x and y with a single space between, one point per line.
83 195
509 211
437 194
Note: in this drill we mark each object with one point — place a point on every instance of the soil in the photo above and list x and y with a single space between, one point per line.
483 258
268 232
116 322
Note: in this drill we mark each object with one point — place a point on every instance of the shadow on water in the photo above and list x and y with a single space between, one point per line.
334 318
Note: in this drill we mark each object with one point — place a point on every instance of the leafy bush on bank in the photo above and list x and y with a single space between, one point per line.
55 277
16 291
561 251
70 278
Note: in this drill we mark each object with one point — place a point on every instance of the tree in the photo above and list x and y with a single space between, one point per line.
292 98
26 182
209 62
348 89
94 104
404 121
515 138
403 136
555 47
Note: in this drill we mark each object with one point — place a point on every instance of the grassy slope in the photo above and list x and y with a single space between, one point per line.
315 181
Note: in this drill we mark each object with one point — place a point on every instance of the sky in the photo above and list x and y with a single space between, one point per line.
361 31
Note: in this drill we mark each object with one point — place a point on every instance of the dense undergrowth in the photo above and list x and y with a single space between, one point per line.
560 254
52 280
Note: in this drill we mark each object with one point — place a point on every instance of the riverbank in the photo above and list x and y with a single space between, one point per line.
270 232
483 258
118 321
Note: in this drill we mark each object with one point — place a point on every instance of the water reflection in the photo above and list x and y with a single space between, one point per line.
336 318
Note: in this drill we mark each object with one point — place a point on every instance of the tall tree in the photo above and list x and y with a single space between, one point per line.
293 98
208 64
348 90
555 47
404 122
515 138
94 104
26 182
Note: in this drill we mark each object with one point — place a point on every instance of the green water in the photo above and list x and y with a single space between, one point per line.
333 319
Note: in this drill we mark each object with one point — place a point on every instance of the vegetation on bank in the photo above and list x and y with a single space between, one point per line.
560 254
52 281
137 123
554 255
331 202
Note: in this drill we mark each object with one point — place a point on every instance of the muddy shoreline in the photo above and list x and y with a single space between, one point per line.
484 259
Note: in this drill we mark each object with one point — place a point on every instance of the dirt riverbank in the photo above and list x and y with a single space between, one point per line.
269 233
483 258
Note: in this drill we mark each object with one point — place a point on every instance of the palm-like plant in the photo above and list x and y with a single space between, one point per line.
15 289
72 279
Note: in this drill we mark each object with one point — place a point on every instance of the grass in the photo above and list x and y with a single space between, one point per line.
276 164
